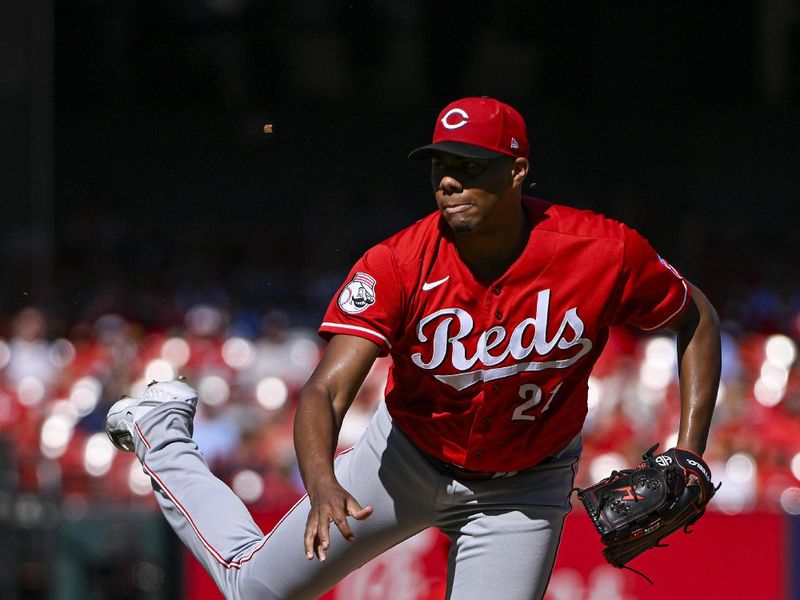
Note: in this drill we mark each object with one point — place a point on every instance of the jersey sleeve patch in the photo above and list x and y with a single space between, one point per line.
355 309
358 294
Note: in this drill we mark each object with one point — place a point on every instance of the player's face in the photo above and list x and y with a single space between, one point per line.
469 190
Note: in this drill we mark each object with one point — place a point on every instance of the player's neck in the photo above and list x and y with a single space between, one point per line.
489 254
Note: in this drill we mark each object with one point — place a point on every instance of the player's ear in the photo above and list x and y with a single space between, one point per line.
519 171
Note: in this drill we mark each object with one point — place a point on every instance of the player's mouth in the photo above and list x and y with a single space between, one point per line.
455 209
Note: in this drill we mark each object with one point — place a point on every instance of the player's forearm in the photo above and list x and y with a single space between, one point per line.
316 430
325 400
699 355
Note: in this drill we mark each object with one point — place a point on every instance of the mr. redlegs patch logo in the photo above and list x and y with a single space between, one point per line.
358 295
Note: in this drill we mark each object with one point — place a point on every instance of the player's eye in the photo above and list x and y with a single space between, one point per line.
473 167
469 167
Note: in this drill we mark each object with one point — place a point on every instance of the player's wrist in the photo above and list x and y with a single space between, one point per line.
691 443
317 485
691 450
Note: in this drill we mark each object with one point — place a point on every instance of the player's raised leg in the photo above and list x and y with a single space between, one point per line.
207 516
218 529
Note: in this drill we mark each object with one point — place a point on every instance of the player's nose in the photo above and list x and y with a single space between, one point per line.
450 185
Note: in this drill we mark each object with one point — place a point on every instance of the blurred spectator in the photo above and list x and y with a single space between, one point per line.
216 432
29 364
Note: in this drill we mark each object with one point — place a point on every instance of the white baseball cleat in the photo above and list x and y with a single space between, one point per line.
126 411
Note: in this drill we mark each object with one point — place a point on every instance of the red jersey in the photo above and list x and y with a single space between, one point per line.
493 375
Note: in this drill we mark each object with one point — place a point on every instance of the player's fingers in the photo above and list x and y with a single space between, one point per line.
323 537
344 526
321 553
310 537
354 509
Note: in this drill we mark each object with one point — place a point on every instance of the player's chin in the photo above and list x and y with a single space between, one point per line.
459 223
462 227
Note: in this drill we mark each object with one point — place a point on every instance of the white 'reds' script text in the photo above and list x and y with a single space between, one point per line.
493 347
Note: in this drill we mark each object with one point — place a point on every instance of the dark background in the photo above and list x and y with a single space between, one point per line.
136 177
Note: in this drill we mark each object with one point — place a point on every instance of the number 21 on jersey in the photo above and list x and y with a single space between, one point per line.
532 394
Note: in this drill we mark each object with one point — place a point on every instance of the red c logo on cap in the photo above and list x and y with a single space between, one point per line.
455 111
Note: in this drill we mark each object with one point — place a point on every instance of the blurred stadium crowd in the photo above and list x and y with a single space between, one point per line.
55 391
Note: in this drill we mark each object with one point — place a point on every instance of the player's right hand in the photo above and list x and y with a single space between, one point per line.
330 503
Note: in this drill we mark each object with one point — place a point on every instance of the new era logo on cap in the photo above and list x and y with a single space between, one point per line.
477 128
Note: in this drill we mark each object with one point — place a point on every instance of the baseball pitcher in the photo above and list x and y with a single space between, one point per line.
494 309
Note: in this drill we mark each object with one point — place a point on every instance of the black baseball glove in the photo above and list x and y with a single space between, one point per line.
634 509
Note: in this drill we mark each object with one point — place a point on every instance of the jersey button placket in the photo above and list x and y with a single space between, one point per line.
483 420
486 421
497 290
